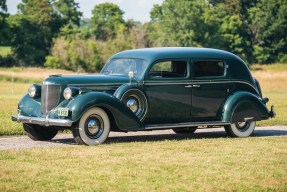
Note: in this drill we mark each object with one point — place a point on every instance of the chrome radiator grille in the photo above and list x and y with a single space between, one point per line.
50 97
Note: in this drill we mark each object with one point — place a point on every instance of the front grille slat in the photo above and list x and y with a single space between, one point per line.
50 97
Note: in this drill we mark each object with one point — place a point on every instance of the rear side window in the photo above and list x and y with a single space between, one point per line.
208 68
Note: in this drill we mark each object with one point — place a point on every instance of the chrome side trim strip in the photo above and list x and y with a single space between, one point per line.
42 121
189 124
199 83
98 84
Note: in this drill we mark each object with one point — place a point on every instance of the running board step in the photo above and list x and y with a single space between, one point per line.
180 125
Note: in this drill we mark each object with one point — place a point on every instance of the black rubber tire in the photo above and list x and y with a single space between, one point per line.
233 130
185 130
82 137
39 133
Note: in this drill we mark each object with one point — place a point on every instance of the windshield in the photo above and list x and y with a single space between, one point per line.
124 66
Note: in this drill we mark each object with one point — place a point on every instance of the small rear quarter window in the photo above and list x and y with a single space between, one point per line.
208 68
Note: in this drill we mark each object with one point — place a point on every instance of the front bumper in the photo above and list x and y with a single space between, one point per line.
42 121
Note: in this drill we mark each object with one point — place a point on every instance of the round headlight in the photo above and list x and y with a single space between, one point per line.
32 91
67 93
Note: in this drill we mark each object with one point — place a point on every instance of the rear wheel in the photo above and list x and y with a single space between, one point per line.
94 127
39 133
240 129
185 130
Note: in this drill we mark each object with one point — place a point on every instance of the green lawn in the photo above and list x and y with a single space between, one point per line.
212 164
10 94
251 164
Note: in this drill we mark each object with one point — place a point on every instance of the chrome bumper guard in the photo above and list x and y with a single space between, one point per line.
42 121
272 112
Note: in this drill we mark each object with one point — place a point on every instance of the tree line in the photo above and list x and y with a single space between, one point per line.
52 33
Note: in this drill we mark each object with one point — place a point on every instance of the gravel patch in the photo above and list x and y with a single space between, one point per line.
23 142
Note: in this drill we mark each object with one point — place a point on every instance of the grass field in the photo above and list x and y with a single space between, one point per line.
251 164
211 164
273 80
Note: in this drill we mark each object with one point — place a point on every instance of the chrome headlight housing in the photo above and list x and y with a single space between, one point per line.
67 93
34 91
70 92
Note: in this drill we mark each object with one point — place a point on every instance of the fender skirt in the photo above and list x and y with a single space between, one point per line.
244 106
123 116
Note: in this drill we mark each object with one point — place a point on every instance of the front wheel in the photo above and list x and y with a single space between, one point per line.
39 133
240 129
94 127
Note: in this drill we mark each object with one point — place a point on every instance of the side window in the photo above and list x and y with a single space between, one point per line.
208 68
169 69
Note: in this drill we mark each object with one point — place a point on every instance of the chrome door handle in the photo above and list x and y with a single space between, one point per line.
195 85
188 86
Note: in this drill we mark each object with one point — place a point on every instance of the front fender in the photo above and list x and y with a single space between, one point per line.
124 88
244 106
30 107
124 117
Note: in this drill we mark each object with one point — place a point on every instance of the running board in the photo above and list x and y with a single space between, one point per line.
189 124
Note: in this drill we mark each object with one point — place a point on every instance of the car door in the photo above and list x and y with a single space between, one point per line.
167 86
209 89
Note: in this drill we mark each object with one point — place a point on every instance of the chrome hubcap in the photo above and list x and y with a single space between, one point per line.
132 103
242 126
94 126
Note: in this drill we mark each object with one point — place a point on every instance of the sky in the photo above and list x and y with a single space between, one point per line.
134 9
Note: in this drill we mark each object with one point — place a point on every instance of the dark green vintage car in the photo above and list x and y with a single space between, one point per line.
147 89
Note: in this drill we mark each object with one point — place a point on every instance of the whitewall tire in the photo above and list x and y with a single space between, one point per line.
240 129
94 127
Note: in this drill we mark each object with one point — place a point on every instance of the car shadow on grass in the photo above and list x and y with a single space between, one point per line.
202 134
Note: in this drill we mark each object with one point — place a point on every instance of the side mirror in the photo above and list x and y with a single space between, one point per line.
131 75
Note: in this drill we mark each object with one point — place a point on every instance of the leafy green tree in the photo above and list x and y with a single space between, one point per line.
155 32
32 31
107 21
4 32
77 55
227 20
267 22
68 12
181 21
36 24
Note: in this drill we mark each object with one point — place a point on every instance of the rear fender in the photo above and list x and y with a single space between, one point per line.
244 106
124 117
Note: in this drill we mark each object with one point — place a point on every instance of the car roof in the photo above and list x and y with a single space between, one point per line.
153 54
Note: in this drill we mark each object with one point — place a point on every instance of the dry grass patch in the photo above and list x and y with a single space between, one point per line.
273 79
252 164
35 74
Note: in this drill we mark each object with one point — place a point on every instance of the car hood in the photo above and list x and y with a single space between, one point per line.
94 82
